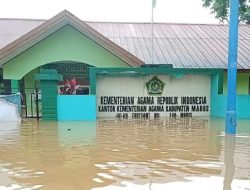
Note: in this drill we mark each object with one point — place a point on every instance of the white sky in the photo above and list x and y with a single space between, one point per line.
173 11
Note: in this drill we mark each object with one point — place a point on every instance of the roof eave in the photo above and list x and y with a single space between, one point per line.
45 29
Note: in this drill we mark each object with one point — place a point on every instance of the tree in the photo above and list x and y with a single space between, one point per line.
221 9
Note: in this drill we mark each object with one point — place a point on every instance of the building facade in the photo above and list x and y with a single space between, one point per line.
110 67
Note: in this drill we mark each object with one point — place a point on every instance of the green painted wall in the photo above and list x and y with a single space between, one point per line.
49 99
65 44
48 82
242 83
15 86
29 81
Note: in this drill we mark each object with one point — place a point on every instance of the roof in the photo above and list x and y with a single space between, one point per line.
182 45
43 30
11 29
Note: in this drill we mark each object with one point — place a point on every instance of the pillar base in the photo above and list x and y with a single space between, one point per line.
231 122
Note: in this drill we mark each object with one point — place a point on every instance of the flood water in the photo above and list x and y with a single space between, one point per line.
111 154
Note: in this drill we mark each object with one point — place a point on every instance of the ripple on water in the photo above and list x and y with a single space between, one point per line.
172 154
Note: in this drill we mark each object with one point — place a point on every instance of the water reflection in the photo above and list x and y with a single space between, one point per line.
229 161
167 153
9 129
80 133
157 150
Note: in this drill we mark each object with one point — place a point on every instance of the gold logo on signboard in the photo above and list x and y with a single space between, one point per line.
155 86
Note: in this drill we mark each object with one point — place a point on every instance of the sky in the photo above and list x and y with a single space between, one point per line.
170 11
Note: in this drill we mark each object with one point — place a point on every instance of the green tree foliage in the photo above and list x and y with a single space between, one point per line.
221 9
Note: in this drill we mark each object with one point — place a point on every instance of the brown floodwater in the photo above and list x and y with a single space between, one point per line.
192 153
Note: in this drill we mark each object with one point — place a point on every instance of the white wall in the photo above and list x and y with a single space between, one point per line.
189 85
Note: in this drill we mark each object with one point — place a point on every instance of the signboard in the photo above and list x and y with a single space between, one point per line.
153 97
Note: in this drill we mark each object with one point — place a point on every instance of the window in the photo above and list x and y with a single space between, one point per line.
81 90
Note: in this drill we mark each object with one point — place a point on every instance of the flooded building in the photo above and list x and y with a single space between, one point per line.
68 69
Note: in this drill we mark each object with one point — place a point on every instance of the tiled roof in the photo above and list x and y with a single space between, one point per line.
183 45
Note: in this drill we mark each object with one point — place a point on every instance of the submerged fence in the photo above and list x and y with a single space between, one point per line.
28 100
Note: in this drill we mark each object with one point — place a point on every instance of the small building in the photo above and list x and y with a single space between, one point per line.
109 66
